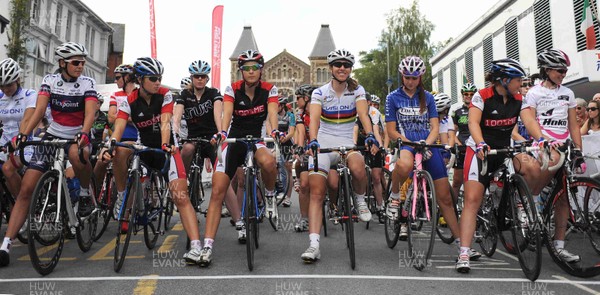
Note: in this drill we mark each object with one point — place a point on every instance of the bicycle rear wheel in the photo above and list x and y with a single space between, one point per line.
348 217
133 192
421 238
250 218
194 188
45 234
153 211
283 179
582 236
526 229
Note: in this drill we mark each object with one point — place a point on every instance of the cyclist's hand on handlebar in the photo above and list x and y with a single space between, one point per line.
18 140
371 143
313 145
579 165
83 139
168 148
481 149
278 135
218 137
207 165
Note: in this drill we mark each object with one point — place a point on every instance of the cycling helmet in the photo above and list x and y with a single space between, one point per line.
199 67
340 54
70 49
468 87
412 66
185 82
304 90
553 58
124 69
283 99
375 99
442 101
507 68
147 66
9 71
250 55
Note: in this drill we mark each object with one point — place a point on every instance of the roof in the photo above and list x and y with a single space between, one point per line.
324 43
118 37
245 42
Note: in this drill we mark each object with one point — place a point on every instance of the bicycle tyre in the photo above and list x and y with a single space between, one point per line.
526 236
349 219
487 227
250 218
392 227
44 198
106 200
583 237
421 260
325 210
152 213
134 191
284 177
168 210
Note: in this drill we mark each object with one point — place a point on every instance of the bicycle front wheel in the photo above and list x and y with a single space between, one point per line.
348 218
153 210
526 229
127 219
582 234
45 234
422 226
487 227
106 199
250 219
392 225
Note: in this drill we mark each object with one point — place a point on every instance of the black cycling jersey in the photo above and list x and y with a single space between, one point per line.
249 114
461 119
199 114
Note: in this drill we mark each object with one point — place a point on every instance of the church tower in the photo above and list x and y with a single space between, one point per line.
245 42
319 68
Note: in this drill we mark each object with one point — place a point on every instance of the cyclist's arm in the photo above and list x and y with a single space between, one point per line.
227 114
165 127
531 124
386 138
393 132
40 110
300 134
377 134
355 134
273 109
119 127
574 128
315 120
434 123
515 135
474 121
112 114
177 114
451 137
26 117
218 113
90 115
362 109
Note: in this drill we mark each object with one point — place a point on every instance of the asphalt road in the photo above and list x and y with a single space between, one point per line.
278 268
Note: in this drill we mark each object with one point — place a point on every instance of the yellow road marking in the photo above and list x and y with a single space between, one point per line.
103 253
177 227
168 244
146 286
44 250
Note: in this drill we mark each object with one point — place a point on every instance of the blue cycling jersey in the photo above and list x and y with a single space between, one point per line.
405 111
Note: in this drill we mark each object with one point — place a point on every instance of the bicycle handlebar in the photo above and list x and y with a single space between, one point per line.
52 142
511 150
140 148
342 149
247 140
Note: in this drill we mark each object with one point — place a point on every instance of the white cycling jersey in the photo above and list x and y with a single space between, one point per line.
552 109
338 115
446 124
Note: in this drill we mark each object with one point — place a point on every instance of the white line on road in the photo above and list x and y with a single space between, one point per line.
513 257
578 285
254 277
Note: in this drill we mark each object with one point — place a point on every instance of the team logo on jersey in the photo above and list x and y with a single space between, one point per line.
563 97
59 83
500 122
494 112
550 122
76 85
242 103
548 113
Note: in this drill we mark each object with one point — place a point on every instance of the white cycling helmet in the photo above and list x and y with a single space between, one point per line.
70 49
412 66
340 54
148 66
553 59
375 99
442 101
9 71
185 82
199 67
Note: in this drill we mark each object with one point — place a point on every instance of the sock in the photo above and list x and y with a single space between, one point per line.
314 240
558 244
196 244
84 191
360 198
395 196
269 193
6 244
208 242
464 250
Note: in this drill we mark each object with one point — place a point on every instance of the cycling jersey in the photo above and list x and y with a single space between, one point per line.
130 133
98 127
406 112
67 102
446 124
521 129
552 109
461 120
286 121
497 118
249 115
338 114
198 114
146 117
303 118
12 110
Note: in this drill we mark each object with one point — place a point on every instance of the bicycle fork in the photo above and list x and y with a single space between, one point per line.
419 165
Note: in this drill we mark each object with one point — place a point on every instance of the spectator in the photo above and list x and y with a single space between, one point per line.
596 97
581 113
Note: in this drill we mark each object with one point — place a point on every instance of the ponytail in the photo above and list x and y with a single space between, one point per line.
422 97
352 84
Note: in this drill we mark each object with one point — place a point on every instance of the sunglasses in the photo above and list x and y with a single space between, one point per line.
592 109
468 93
527 85
561 71
7 85
75 62
117 78
255 67
200 77
410 78
154 78
339 64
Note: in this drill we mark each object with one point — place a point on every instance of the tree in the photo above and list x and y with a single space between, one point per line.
19 16
407 33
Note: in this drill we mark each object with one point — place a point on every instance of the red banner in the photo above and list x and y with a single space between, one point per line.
152 30
217 33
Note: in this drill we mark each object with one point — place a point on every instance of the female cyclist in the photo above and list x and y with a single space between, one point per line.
461 125
287 125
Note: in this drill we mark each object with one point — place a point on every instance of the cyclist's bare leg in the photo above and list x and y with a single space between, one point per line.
21 207
457 181
332 186
304 194
288 167
83 172
401 170
442 192
473 196
187 152
266 161
231 202
181 199
356 164
99 172
220 182
317 183
11 175
120 164
377 175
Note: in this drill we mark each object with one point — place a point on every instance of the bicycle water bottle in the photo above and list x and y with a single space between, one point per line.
74 187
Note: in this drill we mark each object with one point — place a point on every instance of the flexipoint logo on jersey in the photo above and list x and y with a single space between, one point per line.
65 104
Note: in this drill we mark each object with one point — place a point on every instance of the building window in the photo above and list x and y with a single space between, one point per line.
578 12
92 43
512 38
68 25
88 32
35 10
319 75
488 54
469 64
278 73
543 25
453 82
440 77
59 20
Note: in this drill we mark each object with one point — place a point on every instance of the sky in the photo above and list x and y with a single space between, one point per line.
183 27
